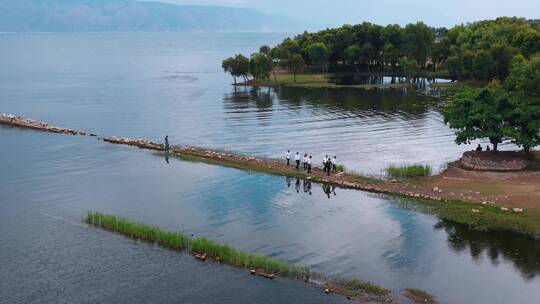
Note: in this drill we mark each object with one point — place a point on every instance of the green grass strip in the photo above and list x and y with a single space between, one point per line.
227 254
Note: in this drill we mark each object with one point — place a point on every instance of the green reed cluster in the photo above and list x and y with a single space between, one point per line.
182 242
408 170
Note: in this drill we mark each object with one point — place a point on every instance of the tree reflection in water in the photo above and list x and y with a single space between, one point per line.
523 252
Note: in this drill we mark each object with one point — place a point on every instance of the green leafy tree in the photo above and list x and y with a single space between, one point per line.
440 52
237 66
480 113
352 54
409 67
296 64
483 65
523 84
318 55
502 55
455 67
260 66
264 49
391 55
417 41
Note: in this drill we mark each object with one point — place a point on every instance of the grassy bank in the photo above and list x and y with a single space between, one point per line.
419 296
226 254
479 217
318 81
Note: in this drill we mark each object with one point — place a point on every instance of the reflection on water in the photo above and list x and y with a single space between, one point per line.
354 79
367 129
55 179
499 247
177 87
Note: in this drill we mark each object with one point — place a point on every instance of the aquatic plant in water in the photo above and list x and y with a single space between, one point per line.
229 255
408 170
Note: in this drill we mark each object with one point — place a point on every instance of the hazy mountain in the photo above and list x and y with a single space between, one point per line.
131 15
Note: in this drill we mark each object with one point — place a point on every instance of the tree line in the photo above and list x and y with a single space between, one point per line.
481 50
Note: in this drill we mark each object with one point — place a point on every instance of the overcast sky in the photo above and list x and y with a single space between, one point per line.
325 13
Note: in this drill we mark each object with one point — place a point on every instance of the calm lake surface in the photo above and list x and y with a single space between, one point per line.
146 85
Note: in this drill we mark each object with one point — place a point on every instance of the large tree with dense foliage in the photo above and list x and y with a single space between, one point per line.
296 64
318 55
480 113
418 40
260 66
237 66
523 83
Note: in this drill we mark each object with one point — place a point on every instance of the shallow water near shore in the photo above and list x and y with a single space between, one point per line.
51 180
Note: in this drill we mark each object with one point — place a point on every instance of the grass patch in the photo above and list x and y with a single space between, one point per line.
359 290
408 171
489 218
229 255
182 242
318 81
419 296
340 168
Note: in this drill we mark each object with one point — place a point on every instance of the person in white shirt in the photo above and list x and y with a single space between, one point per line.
324 160
309 164
304 161
334 160
288 157
297 159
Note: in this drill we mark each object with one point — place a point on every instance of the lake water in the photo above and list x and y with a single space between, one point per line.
142 84
151 84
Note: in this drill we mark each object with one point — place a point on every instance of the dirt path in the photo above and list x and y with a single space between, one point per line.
506 189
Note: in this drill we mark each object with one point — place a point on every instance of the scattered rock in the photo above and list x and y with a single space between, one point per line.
475 210
504 209
518 210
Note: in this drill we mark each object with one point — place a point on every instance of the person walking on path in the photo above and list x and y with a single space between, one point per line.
167 144
327 167
309 164
297 160
334 167
288 157
304 161
324 160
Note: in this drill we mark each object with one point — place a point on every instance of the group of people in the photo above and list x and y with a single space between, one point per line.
479 148
329 164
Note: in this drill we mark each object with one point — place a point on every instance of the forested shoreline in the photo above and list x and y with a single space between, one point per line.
481 50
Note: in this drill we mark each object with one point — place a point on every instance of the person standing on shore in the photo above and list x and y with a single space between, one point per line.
334 167
479 148
297 160
304 161
309 164
167 144
288 157
327 167
324 160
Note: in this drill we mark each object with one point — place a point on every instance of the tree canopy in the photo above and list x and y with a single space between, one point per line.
481 50
501 112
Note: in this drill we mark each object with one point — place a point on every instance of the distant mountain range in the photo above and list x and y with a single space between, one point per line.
132 15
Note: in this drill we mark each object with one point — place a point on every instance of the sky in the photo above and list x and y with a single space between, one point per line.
321 14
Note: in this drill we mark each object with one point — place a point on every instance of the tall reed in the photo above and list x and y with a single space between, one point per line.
408 170
182 242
